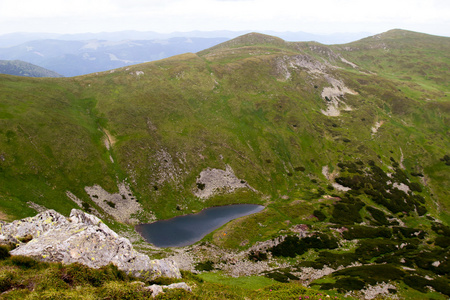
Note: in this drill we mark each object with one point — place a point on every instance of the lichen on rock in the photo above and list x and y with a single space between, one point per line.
85 239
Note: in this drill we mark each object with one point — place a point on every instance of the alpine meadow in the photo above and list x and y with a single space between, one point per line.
347 147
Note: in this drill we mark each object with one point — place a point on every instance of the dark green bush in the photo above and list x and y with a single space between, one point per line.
24 262
446 159
346 212
281 276
26 239
368 249
334 260
405 232
77 274
201 186
6 281
442 285
111 204
293 246
378 215
290 247
415 187
373 274
205 266
348 284
441 229
319 215
257 256
417 283
442 241
364 232
4 253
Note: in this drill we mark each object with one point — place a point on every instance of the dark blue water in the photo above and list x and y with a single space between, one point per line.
186 230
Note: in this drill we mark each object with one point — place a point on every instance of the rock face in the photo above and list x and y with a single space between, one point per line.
82 238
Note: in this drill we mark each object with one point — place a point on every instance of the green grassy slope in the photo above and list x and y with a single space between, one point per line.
231 104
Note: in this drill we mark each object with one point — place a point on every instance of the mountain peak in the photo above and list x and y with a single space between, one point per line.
251 39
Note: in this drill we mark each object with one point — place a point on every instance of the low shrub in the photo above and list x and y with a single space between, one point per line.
346 212
364 232
370 248
416 282
281 276
348 284
26 239
334 260
4 253
290 247
257 256
293 246
378 215
205 266
442 241
174 294
114 290
24 262
373 274
6 280
319 215
77 274
405 232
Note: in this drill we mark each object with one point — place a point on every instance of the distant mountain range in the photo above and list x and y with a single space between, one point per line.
21 68
72 58
14 39
79 54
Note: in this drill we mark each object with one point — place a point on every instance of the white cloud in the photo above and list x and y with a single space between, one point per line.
186 15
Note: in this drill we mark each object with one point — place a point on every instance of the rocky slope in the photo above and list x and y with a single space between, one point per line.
81 238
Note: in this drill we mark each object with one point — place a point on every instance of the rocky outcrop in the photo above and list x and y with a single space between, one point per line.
122 206
158 289
81 238
213 181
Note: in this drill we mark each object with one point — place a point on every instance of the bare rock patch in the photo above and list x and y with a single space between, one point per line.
214 181
122 206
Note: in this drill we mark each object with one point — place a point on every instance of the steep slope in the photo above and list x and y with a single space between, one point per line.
21 68
255 103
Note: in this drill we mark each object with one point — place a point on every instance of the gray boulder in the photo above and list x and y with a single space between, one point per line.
85 239
158 289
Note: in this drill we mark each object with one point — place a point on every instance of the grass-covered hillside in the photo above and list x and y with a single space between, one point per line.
350 140
21 68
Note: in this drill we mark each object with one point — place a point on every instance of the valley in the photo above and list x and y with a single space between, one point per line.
345 145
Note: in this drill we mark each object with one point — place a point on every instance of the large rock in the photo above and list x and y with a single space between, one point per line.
82 238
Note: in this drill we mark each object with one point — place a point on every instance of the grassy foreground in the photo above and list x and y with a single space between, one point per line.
24 278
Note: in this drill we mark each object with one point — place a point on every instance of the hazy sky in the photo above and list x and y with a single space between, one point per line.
314 16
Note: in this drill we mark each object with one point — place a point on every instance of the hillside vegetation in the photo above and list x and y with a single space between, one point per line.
351 140
21 68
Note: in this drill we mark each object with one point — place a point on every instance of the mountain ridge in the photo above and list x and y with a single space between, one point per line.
21 68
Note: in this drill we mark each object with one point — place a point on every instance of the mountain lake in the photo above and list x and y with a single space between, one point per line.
186 230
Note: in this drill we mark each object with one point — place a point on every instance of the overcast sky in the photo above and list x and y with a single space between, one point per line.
165 16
